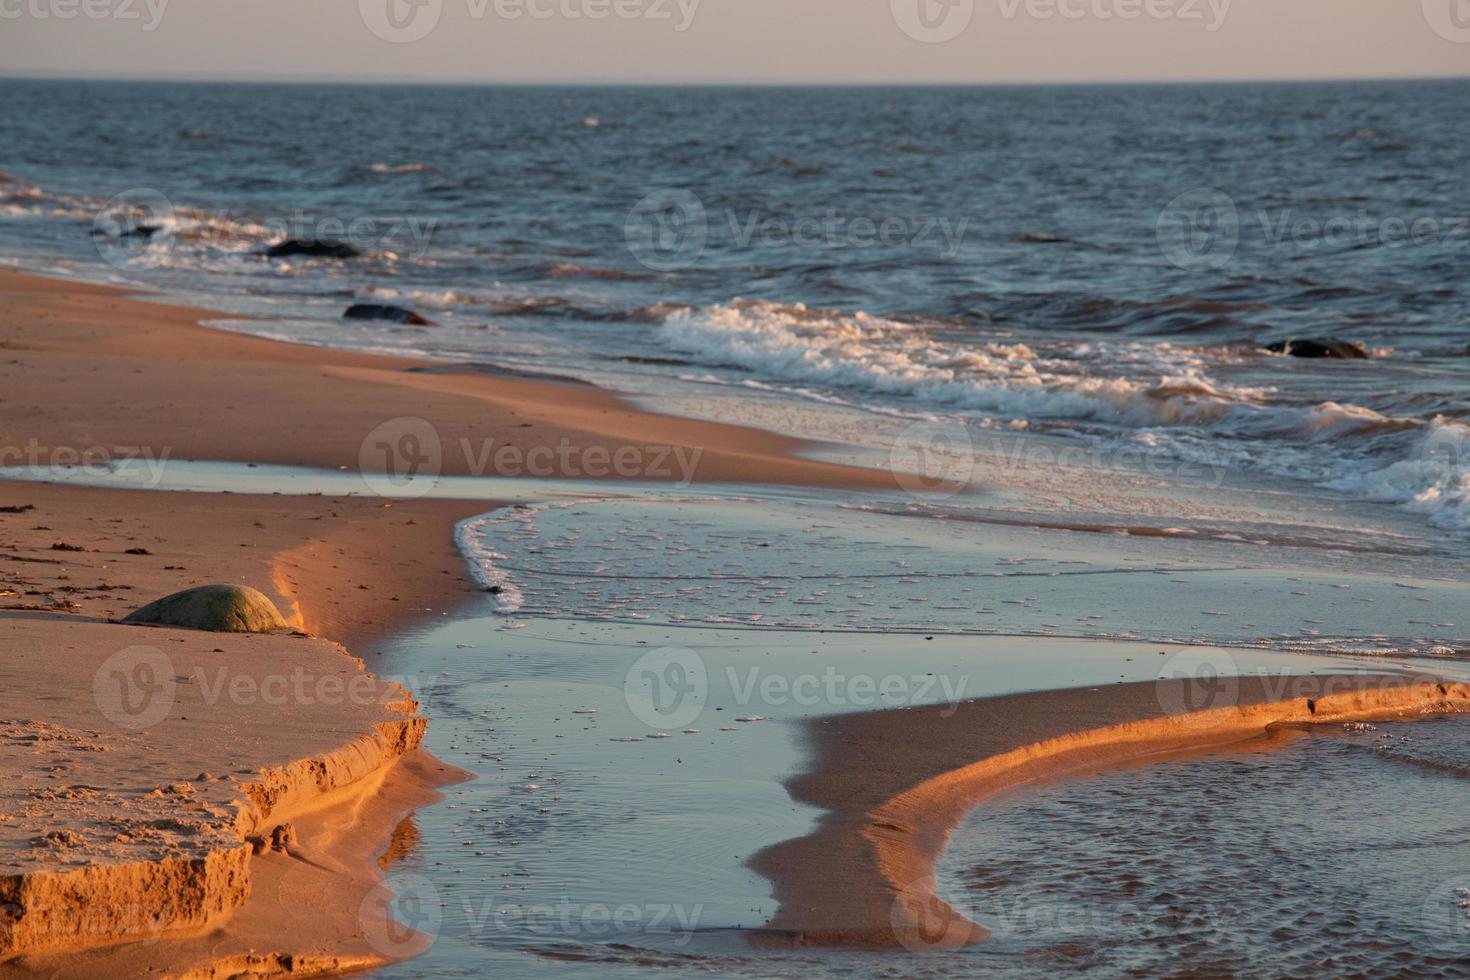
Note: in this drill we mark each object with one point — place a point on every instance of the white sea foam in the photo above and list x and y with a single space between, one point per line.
473 538
1157 396
1130 384
399 168
1434 480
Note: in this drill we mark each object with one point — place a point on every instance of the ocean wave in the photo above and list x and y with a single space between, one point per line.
1156 396
1433 479
399 168
1128 384
15 191
571 270
142 230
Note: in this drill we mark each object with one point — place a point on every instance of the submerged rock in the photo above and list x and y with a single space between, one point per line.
312 247
378 311
1349 349
218 608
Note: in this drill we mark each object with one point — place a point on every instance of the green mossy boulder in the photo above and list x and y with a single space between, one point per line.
217 608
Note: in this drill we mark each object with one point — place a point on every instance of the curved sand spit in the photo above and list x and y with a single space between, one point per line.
895 783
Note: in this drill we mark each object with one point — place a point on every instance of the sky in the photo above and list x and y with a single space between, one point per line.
736 41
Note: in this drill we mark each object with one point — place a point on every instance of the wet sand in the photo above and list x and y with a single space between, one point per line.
86 366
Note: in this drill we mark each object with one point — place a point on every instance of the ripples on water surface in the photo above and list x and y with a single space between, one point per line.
1031 282
1336 853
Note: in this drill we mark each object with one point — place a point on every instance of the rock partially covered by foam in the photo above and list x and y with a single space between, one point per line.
217 608
378 311
1319 348
311 247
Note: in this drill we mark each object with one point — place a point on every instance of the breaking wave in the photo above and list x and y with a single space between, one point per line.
1157 395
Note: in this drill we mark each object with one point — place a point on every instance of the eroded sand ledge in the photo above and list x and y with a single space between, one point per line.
206 834
120 825
895 783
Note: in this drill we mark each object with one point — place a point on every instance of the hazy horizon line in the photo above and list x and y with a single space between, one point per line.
230 79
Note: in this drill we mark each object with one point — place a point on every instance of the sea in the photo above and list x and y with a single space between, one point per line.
1071 314
1106 263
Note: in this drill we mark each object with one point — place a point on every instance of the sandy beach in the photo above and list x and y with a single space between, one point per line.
543 491
144 377
92 860
235 824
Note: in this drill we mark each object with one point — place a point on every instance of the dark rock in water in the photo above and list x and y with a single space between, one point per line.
217 608
312 247
1349 349
136 231
376 311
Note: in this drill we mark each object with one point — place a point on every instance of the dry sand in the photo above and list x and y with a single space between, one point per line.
894 783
